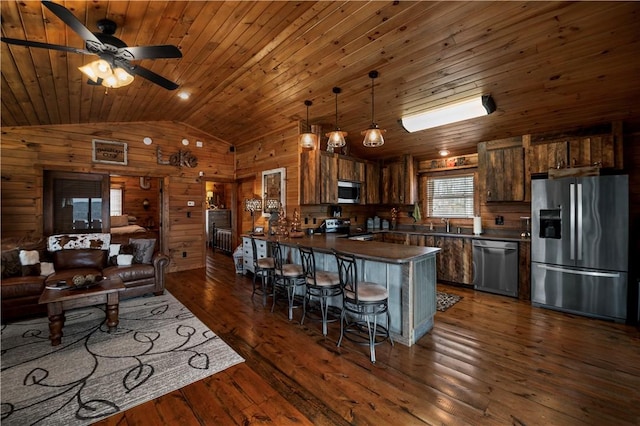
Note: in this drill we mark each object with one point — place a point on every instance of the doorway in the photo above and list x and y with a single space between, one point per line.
219 215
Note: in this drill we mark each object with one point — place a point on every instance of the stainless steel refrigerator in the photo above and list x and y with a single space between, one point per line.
579 245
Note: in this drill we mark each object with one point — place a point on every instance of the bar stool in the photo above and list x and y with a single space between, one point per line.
363 302
264 268
286 275
320 284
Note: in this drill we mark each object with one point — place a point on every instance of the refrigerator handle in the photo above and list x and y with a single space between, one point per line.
572 221
579 220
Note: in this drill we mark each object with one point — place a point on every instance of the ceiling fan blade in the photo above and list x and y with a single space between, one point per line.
152 77
68 18
45 45
149 52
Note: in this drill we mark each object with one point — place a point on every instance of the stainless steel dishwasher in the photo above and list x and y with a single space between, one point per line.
495 267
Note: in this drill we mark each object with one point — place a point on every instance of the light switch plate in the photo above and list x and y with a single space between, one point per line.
191 203
199 144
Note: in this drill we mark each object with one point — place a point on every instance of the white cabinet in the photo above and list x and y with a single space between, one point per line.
247 252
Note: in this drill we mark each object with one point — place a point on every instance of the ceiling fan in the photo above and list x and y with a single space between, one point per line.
114 68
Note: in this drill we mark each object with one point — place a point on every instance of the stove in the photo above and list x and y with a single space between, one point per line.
340 226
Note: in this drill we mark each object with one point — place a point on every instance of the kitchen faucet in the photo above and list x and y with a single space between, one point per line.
446 222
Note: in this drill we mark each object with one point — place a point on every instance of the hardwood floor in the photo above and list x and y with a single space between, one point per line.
488 360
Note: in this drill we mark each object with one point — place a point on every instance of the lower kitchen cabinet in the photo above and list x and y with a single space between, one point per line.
247 252
455 260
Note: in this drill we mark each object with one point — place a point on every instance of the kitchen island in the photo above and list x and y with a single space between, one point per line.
408 273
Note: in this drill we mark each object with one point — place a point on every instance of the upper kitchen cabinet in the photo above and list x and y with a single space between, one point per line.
601 146
501 168
371 186
350 169
318 177
399 181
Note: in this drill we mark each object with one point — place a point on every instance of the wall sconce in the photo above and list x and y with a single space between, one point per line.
252 205
471 108
145 204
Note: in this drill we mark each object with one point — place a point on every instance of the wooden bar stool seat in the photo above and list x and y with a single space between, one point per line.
320 284
363 302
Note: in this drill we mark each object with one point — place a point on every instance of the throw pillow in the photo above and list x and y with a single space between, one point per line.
46 268
11 263
124 259
121 254
144 249
30 262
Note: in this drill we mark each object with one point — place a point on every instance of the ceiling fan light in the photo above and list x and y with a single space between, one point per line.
465 110
89 72
124 77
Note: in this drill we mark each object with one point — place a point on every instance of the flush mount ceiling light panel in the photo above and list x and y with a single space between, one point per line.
113 69
470 108
308 139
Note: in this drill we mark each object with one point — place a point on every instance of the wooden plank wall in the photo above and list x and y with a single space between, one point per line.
272 151
27 151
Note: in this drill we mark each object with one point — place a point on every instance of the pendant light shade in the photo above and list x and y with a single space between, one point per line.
308 139
336 138
373 135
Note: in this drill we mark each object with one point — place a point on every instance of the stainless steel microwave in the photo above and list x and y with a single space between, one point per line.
348 192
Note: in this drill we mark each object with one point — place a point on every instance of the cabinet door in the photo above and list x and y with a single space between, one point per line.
591 150
328 178
505 174
309 178
392 183
350 170
547 156
372 183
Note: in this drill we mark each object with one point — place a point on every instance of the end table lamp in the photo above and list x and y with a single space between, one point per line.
252 205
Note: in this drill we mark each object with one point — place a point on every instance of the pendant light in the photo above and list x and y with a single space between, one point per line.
308 139
336 138
373 135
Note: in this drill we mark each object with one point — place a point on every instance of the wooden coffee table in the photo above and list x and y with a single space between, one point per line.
58 301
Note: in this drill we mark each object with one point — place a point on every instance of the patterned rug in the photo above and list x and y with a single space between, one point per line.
159 346
446 300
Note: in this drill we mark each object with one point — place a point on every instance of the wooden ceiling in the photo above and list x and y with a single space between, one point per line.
249 66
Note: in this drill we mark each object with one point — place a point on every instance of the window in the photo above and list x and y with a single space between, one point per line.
115 197
75 202
450 196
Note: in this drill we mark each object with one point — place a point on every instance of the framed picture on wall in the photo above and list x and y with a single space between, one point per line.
109 152
274 194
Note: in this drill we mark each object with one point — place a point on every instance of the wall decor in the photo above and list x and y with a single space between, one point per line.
273 189
109 152
182 158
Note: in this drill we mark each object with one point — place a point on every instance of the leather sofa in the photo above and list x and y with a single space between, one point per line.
20 294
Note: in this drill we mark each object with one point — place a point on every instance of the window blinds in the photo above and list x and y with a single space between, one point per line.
450 196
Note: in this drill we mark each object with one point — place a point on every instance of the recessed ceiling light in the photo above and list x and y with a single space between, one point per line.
185 142
444 152
147 141
183 95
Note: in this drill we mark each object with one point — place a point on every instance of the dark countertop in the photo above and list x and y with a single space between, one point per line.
371 250
466 233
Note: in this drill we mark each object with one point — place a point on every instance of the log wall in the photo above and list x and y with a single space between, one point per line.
27 151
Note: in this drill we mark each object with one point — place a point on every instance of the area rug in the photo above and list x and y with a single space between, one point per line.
446 300
159 346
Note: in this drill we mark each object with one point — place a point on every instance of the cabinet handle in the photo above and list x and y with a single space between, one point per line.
488 193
